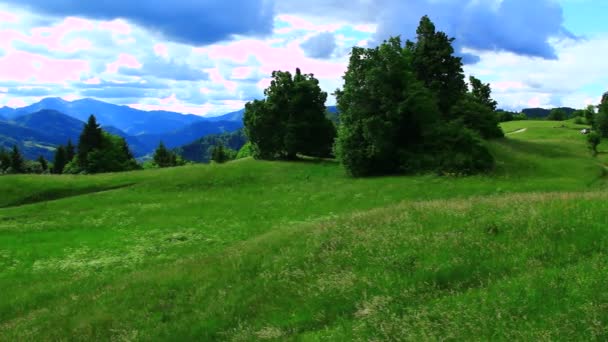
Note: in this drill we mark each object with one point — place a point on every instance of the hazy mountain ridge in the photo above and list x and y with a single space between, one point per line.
38 133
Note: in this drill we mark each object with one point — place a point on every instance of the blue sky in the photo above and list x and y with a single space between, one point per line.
209 57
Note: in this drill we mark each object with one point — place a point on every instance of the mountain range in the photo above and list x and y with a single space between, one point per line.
37 129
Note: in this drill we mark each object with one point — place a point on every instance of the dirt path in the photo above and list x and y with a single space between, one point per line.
518 131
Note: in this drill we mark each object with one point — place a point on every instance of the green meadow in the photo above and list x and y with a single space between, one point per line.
254 250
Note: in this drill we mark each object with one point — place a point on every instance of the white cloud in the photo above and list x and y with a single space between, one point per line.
579 75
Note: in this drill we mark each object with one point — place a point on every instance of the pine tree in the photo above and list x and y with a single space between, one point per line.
5 160
91 139
218 154
60 160
70 151
17 162
163 157
43 163
482 93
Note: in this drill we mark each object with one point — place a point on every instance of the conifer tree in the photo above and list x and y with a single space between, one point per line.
163 157
43 163
17 162
218 154
60 160
70 151
5 160
90 139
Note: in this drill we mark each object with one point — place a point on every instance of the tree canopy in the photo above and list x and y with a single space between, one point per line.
407 109
291 119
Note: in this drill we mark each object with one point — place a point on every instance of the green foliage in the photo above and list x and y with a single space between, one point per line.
245 151
90 139
601 120
477 116
385 112
5 160
43 163
220 154
60 160
589 115
482 93
520 116
70 151
397 102
112 156
557 114
593 141
17 161
166 158
460 151
290 120
436 66
200 150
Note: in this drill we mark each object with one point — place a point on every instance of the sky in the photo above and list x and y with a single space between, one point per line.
210 57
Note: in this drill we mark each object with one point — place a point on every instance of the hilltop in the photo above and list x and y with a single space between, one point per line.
256 250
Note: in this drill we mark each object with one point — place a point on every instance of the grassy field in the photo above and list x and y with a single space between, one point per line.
298 251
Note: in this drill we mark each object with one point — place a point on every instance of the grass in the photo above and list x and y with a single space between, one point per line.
298 251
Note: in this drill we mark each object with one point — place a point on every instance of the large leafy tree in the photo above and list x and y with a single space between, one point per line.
601 120
477 110
385 112
436 65
291 119
406 109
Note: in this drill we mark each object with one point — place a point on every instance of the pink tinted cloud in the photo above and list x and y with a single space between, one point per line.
161 50
124 60
216 77
8 17
24 66
116 26
508 85
94 80
53 38
277 58
16 103
176 106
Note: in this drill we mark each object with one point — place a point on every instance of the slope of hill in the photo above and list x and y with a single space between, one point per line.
234 116
297 251
200 150
57 126
37 134
31 143
189 133
6 112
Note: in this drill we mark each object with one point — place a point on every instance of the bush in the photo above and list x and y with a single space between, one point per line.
245 151
461 151
593 140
